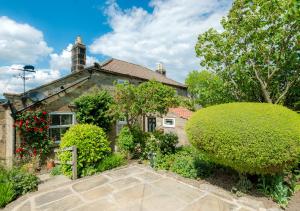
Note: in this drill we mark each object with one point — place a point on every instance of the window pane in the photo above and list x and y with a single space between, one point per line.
55 120
66 119
169 122
55 134
63 130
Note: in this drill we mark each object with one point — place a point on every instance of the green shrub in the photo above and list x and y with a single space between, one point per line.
110 162
56 170
15 182
92 147
131 141
93 108
125 140
7 193
187 162
184 165
163 161
248 137
158 142
22 181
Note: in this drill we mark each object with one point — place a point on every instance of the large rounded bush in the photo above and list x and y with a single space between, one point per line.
248 137
92 146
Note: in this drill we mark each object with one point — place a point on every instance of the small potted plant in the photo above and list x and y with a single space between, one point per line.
50 164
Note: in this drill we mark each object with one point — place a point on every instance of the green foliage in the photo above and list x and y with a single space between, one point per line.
184 165
131 141
110 162
243 185
186 162
207 88
257 53
15 182
149 98
187 102
248 137
56 170
32 128
158 142
92 146
94 108
22 181
7 193
276 187
125 141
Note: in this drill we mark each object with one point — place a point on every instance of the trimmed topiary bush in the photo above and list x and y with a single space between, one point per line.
248 137
92 147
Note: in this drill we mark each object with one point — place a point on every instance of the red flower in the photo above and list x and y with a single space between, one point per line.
20 123
36 129
19 150
44 113
34 152
41 129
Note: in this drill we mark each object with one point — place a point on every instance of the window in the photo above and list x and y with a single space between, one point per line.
59 124
122 81
151 124
169 122
120 124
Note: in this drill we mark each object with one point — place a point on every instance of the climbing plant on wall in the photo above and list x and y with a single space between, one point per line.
32 129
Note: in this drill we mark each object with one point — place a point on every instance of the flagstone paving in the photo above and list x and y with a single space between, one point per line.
133 188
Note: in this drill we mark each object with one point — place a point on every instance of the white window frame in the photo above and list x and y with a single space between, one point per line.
62 126
120 125
169 118
122 81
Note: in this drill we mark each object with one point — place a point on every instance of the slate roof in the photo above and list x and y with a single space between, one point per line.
181 112
130 69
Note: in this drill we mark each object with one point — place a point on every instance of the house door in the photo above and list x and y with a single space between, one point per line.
151 124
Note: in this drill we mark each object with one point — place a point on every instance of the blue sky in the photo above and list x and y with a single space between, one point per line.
144 32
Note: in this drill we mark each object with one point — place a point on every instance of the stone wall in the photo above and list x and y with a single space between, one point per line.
178 129
2 134
6 135
61 94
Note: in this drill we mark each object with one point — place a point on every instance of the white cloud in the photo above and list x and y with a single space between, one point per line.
60 64
62 61
10 82
167 35
21 43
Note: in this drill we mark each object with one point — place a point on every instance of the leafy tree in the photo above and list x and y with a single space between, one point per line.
149 98
258 51
207 88
94 108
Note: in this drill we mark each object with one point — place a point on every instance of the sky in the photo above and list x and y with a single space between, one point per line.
41 33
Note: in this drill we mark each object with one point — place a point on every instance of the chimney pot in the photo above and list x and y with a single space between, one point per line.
160 69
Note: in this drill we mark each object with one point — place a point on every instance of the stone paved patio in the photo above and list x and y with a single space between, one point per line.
135 187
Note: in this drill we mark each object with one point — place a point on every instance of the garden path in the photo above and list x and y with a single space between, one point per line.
133 187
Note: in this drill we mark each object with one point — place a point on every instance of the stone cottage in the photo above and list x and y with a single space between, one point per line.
57 96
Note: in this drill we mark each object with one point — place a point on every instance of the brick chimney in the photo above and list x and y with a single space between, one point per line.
160 69
78 55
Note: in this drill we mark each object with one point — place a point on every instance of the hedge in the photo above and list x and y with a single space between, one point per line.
255 138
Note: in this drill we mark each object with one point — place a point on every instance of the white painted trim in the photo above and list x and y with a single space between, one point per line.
174 122
62 126
122 81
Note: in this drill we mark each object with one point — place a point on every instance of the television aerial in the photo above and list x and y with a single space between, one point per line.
25 69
